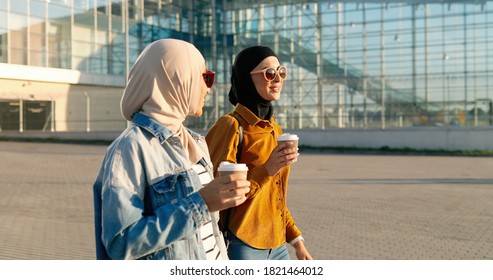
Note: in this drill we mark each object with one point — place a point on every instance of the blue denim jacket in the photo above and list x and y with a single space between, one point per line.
146 204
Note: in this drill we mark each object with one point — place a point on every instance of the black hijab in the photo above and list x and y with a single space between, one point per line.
243 90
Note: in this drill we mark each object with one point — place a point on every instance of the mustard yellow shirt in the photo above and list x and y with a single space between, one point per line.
264 220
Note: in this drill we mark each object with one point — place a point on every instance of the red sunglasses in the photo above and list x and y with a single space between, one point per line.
209 78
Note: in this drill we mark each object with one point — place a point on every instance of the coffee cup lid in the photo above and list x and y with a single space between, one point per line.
287 136
229 166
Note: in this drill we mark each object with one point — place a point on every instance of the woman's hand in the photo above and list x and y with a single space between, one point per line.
301 251
284 154
225 192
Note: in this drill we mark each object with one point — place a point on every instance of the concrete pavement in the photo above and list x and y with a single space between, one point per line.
349 207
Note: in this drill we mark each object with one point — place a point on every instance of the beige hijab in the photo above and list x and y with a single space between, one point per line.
165 84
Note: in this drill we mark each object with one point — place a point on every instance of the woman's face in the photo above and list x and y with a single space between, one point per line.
268 90
203 92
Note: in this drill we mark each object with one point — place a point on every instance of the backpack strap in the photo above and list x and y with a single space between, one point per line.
240 142
227 212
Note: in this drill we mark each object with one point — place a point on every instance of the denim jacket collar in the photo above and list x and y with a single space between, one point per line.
161 132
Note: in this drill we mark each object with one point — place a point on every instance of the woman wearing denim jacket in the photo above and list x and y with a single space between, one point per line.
260 227
154 196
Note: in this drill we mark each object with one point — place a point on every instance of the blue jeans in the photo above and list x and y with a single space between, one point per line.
239 250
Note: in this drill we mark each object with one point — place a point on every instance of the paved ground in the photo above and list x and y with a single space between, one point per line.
349 207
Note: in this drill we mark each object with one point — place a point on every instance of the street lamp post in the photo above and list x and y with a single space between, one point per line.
447 101
447 91
88 112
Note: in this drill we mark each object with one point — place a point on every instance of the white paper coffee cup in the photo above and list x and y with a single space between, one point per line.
289 138
226 168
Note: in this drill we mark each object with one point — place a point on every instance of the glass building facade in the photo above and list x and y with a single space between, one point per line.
351 64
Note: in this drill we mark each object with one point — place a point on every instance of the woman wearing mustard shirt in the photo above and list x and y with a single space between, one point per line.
260 227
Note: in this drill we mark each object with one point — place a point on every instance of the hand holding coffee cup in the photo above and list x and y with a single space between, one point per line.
289 152
227 190
284 154
227 168
287 137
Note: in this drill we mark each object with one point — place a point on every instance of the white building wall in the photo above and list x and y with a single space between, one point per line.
82 102
421 138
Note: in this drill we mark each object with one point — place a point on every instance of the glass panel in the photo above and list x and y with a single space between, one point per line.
116 8
101 59
3 20
116 24
3 45
17 21
103 22
79 63
59 45
61 2
83 5
117 55
37 42
102 6
37 58
18 40
102 37
84 19
38 9
37 26
18 56
84 34
60 13
18 6
82 49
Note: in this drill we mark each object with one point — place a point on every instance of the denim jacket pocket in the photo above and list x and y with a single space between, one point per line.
170 189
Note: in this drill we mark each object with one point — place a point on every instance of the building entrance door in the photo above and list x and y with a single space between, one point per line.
25 115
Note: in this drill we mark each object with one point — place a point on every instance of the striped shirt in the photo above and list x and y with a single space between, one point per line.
207 231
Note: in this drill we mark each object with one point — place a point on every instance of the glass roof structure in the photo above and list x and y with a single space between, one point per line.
352 64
